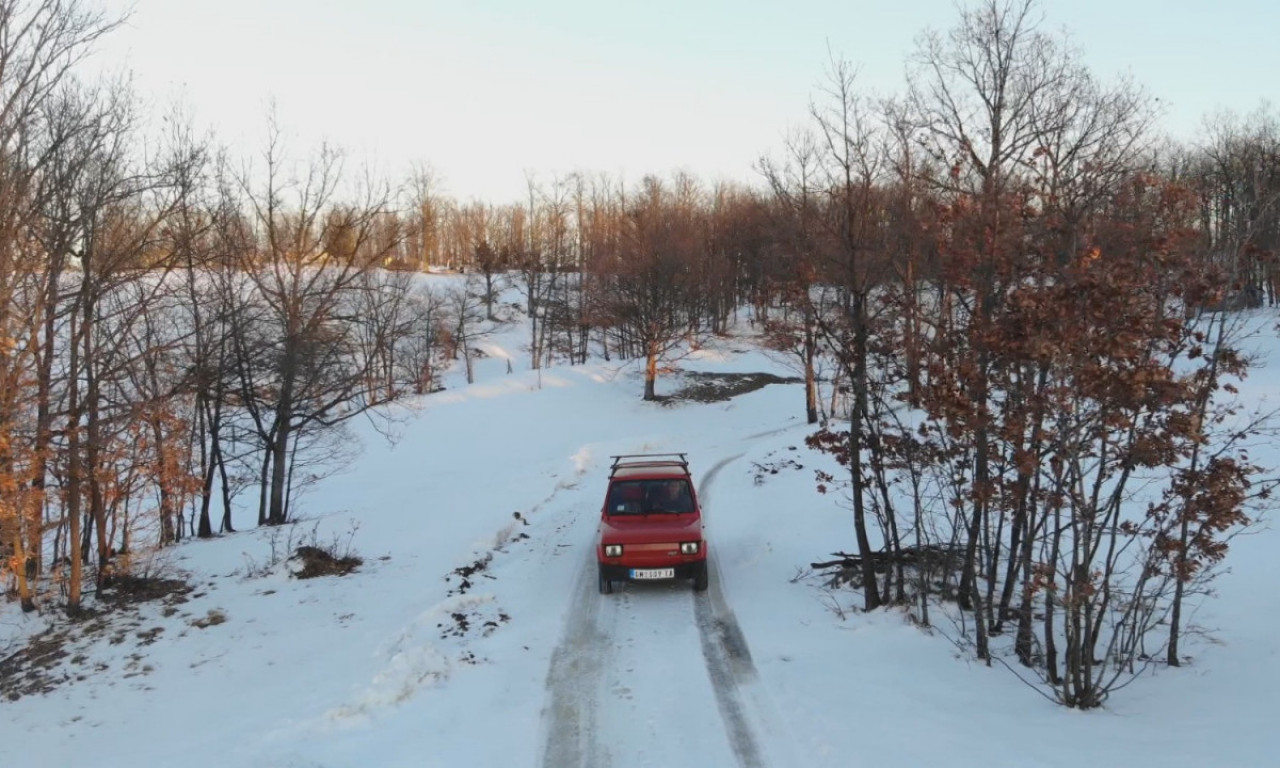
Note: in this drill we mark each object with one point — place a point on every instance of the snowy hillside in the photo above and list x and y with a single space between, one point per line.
472 635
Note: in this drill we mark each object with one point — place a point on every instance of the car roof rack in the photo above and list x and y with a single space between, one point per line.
649 460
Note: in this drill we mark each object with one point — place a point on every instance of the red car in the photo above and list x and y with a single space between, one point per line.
651 524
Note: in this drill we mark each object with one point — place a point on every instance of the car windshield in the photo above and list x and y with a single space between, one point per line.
645 497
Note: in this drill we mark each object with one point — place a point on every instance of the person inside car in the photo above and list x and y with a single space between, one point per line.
670 496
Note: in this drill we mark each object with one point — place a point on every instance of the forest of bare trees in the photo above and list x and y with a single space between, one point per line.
1005 291
1029 295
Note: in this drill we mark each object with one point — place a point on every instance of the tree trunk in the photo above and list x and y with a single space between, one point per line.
1175 613
857 425
226 526
170 519
277 512
24 572
204 524
93 425
981 488
44 418
488 295
810 379
651 372
1022 643
1050 637
204 431
910 330
264 478
75 552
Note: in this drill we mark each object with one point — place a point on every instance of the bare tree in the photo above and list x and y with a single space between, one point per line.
299 338
1236 174
424 346
797 185
426 211
976 95
647 293
44 42
849 163
463 318
491 263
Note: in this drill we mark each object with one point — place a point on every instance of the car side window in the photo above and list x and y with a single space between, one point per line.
626 498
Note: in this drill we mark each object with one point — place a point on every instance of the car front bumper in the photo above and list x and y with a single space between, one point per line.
689 570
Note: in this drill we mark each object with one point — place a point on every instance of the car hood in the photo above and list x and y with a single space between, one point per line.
651 529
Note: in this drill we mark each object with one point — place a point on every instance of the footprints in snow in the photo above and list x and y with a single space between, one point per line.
425 654
438 641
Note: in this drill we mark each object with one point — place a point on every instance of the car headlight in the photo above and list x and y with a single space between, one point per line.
690 547
613 550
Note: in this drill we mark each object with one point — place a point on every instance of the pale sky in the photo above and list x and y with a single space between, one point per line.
485 91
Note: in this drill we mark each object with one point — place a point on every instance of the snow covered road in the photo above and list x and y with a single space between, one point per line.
648 667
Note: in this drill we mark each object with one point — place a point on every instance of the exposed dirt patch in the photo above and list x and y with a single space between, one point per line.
211 619
466 573
464 623
761 471
319 562
59 655
28 671
148 636
719 387
491 624
481 618
131 590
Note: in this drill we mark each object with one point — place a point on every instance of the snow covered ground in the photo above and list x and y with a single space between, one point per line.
520 663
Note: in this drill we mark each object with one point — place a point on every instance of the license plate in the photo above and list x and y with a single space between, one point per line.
653 573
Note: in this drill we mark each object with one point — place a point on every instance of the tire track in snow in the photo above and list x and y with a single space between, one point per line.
574 681
576 678
724 648
576 672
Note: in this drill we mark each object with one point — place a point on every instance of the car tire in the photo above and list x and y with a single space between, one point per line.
700 580
606 586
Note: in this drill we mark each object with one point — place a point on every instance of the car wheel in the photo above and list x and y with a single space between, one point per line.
606 586
700 580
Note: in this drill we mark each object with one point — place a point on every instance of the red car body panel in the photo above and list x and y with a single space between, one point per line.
652 541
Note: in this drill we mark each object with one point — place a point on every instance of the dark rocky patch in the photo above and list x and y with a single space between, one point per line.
320 562
720 387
